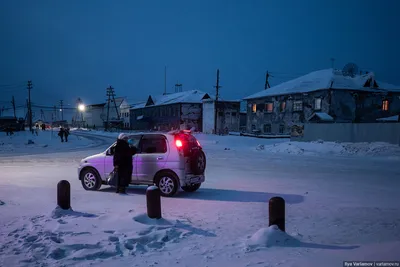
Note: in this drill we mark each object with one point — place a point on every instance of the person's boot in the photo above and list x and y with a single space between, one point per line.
123 190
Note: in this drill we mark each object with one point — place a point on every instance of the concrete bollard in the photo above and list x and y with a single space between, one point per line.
277 212
64 194
153 199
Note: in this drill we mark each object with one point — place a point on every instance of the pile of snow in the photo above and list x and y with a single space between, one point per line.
271 236
241 143
69 236
333 148
26 142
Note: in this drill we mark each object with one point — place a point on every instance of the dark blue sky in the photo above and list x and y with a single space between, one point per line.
77 48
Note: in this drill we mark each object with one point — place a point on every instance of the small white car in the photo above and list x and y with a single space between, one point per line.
167 160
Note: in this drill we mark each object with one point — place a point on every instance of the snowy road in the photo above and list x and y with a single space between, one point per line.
340 208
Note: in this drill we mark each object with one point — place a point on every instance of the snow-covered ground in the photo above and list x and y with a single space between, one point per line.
339 207
25 142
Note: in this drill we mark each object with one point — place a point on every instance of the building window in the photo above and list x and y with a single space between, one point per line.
297 105
233 114
385 105
220 113
267 128
281 129
254 108
253 127
269 107
317 103
283 106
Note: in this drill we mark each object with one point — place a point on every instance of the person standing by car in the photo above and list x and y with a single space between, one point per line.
123 155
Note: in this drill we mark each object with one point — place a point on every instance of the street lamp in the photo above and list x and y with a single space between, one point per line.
81 108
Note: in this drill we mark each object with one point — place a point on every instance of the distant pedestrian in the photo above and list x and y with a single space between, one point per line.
61 134
43 127
37 129
66 134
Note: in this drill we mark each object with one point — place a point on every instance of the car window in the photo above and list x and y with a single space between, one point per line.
111 150
188 140
153 144
134 140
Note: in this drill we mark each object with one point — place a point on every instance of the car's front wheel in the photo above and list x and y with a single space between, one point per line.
90 179
168 184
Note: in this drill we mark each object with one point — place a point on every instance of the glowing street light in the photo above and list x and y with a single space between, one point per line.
81 107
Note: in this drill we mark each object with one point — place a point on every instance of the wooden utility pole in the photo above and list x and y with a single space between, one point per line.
62 109
13 104
30 105
217 87
267 81
111 97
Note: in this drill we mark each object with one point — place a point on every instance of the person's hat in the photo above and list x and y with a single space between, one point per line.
122 136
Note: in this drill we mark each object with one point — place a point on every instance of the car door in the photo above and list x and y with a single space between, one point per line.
108 160
134 140
152 156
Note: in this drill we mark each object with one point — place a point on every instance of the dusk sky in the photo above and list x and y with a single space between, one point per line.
72 49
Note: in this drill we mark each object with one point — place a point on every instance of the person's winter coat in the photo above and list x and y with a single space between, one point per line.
123 154
61 133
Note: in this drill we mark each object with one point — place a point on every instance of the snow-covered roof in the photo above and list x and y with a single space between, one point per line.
193 96
325 79
392 118
221 100
322 116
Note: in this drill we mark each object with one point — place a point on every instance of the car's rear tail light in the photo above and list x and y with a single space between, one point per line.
178 143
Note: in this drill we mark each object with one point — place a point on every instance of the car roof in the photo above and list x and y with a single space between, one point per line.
167 134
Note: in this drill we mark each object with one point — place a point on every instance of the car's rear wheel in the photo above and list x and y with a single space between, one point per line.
198 162
168 184
90 179
191 188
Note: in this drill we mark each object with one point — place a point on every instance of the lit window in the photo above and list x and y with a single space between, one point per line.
283 106
297 105
385 105
269 107
317 104
254 108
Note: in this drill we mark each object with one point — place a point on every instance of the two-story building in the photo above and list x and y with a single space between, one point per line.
321 96
182 110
